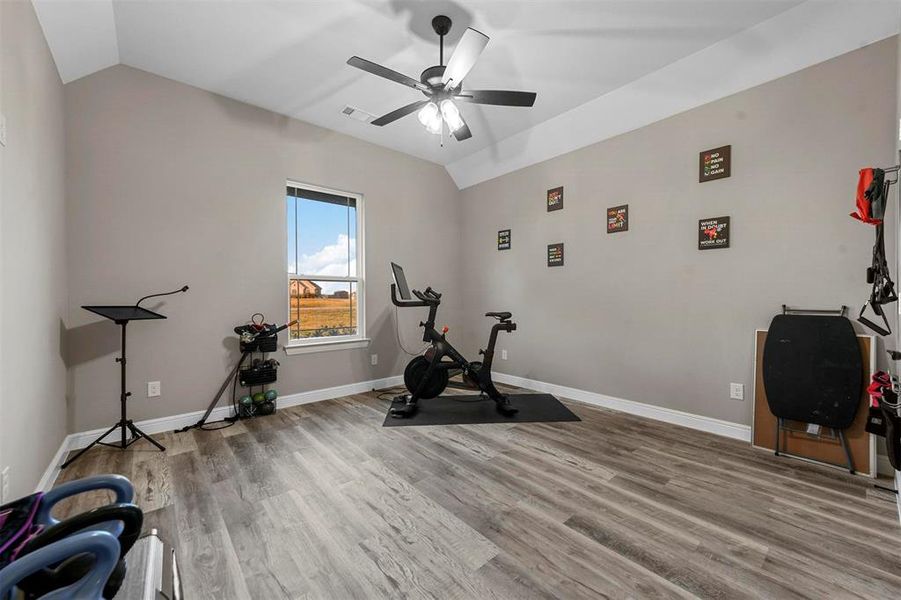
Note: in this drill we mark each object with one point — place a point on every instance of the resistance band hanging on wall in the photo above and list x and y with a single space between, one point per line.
872 197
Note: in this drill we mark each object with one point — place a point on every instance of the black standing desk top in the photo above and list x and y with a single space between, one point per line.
124 313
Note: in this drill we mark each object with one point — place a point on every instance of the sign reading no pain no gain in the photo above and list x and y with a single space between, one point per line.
715 164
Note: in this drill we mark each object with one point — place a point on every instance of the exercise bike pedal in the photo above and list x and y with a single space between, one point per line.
505 408
407 409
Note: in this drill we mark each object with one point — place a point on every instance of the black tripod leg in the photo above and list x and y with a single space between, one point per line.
778 433
91 445
841 436
137 433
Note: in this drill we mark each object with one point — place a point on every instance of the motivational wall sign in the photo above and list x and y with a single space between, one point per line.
713 233
555 255
618 219
715 164
555 199
503 239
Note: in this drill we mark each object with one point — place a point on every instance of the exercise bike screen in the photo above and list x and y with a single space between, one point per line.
400 281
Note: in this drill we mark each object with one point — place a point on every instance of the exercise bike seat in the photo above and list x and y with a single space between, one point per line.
500 316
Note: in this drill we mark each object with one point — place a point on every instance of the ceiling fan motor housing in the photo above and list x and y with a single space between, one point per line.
432 76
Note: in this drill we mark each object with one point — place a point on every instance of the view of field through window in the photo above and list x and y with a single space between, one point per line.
323 281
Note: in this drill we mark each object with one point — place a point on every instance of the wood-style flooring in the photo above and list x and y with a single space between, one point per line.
320 501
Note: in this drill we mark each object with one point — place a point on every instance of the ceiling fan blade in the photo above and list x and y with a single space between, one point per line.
403 111
464 57
498 97
376 69
463 133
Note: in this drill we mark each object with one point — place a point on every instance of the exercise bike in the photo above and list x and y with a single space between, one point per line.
427 375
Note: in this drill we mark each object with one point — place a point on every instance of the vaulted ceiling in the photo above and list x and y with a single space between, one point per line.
289 57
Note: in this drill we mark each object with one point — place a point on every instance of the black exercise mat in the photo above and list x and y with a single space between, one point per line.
470 410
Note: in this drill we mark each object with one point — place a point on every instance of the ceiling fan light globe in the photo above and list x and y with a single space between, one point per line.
451 115
428 114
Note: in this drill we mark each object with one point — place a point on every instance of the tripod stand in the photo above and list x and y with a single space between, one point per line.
121 315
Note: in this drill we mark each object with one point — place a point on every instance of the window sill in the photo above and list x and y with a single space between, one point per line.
325 346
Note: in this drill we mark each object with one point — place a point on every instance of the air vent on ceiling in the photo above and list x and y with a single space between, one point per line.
357 115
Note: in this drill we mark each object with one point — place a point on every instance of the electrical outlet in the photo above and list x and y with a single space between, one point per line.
503 355
374 359
2 129
4 485
737 391
153 389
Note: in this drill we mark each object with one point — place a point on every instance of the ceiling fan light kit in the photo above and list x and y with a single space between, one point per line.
451 115
442 84
431 118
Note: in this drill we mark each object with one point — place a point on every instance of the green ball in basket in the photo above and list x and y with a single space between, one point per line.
259 398
271 395
246 400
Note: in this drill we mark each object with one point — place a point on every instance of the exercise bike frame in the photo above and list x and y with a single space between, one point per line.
441 348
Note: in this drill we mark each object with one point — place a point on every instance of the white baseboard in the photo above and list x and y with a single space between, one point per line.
76 441
883 466
728 429
52 471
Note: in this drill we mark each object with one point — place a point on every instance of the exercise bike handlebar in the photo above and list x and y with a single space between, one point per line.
429 294
427 298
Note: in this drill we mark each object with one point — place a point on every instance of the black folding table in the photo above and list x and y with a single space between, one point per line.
121 315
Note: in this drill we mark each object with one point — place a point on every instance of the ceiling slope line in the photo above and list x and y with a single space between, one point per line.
806 35
82 36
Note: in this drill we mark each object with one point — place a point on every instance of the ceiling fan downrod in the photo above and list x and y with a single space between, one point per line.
442 26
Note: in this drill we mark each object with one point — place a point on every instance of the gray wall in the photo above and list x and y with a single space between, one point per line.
165 180
644 315
168 184
32 250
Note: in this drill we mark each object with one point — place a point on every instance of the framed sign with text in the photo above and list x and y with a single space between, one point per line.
555 255
503 239
618 219
715 164
555 199
713 233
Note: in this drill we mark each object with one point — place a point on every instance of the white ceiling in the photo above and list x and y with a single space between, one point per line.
289 57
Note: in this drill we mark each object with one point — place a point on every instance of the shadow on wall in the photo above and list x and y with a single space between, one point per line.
88 342
381 329
85 343
260 119
419 21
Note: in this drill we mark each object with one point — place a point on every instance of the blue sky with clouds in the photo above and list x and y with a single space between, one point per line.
321 240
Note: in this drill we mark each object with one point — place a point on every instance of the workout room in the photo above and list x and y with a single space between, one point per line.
456 299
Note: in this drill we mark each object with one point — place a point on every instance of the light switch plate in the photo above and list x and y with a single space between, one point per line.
2 129
153 389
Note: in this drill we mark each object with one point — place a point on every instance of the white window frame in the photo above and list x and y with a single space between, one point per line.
343 342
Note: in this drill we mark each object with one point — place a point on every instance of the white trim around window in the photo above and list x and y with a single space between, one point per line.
344 342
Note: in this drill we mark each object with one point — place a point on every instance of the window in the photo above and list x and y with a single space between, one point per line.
325 266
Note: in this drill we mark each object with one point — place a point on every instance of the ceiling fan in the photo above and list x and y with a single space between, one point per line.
443 85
